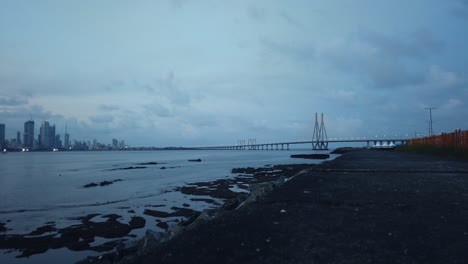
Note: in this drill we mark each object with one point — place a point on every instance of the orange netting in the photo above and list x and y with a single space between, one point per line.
457 139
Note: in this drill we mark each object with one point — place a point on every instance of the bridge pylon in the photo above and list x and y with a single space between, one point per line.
319 138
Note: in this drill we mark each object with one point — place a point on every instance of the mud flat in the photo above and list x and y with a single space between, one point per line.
364 207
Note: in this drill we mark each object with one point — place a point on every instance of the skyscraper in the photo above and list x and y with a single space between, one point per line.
2 135
52 137
44 135
66 144
28 134
18 139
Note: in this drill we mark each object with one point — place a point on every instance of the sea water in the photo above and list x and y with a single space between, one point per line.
41 187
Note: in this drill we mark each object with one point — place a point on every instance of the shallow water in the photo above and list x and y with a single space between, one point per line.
41 187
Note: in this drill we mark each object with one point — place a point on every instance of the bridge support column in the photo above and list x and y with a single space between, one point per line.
282 146
287 146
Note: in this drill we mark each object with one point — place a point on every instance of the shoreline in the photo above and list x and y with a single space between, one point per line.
365 206
115 231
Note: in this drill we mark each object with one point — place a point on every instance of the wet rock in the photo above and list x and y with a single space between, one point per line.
77 237
103 183
2 227
344 150
155 213
137 222
130 168
90 185
149 163
163 225
311 156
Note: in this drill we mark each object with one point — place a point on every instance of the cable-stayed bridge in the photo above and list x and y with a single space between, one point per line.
319 141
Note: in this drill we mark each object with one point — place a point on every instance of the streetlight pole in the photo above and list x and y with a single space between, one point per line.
431 132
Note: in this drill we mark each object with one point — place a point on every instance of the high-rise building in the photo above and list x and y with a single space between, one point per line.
52 137
18 138
44 135
2 135
58 142
115 143
67 141
28 134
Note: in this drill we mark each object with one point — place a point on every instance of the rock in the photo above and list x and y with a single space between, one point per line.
281 180
163 225
2 227
149 163
137 222
232 204
311 156
104 183
343 150
150 240
194 160
90 185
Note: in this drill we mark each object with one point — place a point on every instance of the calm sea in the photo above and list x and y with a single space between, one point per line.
41 187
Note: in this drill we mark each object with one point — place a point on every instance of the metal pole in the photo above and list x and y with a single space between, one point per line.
431 132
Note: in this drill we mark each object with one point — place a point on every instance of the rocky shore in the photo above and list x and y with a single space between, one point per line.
113 232
364 207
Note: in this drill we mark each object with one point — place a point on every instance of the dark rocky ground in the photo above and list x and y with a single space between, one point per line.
367 206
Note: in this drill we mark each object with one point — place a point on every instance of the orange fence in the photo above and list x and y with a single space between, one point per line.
457 139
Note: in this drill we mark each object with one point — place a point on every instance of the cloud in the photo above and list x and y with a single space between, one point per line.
158 110
384 61
167 86
418 44
452 103
108 108
178 4
12 101
291 20
294 50
460 9
257 14
102 119
440 78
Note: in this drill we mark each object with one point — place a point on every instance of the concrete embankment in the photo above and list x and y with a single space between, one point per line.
364 207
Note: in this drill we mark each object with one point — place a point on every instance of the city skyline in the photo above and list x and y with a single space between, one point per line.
48 139
187 73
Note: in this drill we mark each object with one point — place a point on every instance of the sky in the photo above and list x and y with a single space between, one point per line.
209 72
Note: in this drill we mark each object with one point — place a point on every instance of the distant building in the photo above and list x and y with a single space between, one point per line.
52 143
67 141
115 143
18 139
58 142
28 134
2 135
44 135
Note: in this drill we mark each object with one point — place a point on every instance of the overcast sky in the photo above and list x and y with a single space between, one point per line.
182 72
